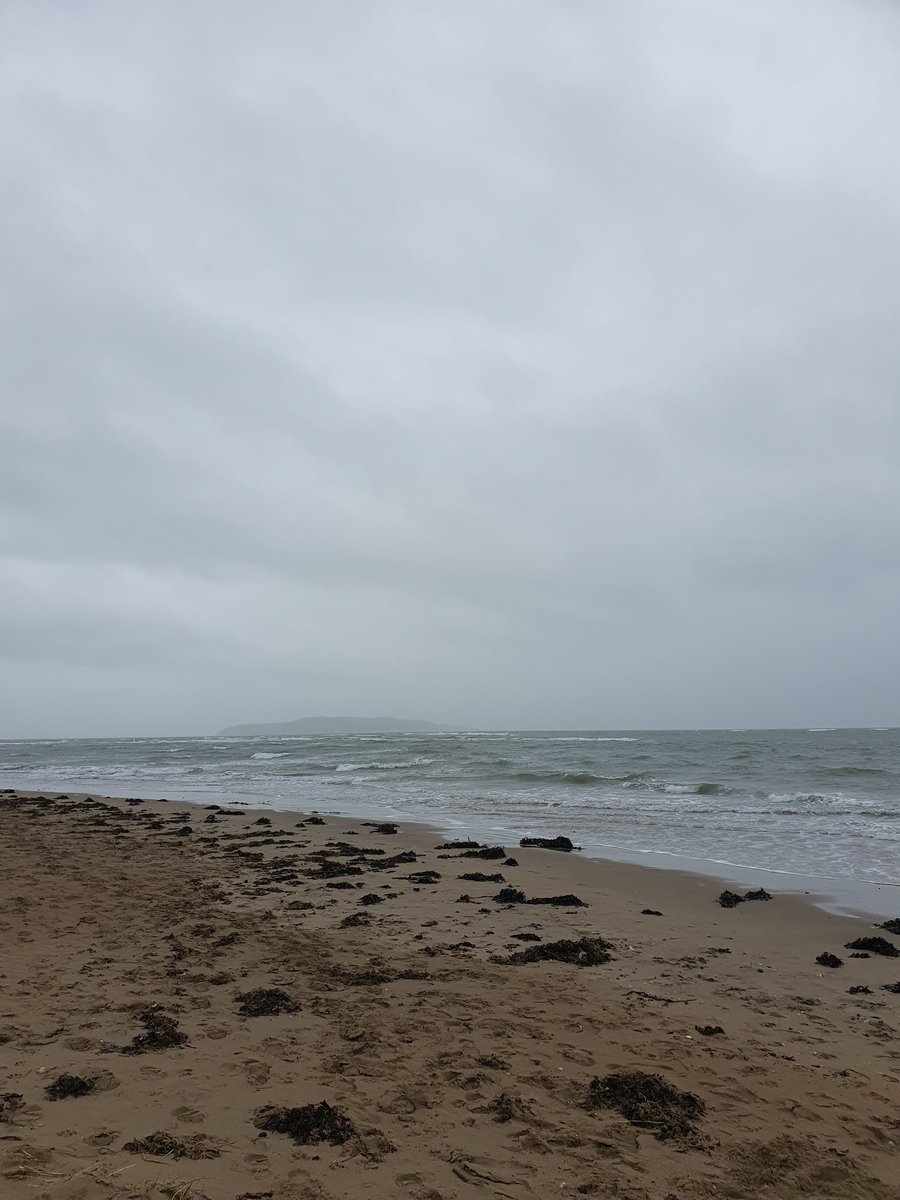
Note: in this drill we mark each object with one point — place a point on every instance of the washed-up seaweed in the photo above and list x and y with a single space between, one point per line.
309 1123
265 1002
583 952
875 945
648 1101
69 1086
161 1032
557 843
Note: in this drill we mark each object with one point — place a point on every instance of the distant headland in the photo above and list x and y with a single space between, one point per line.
323 725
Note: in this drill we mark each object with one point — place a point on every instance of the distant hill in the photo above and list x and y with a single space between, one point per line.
322 725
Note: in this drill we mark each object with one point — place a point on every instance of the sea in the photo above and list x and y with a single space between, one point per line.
819 807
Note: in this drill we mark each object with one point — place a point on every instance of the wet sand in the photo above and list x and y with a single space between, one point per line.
139 940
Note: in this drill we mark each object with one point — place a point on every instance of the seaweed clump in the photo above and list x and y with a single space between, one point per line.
506 1108
66 1086
731 899
511 895
648 1101
10 1103
827 959
311 1123
160 1033
875 945
892 926
355 919
542 843
164 1145
265 1002
585 952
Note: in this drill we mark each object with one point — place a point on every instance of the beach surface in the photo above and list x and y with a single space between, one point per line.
233 1005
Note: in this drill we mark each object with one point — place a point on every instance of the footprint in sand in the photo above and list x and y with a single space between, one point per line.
257 1072
192 1116
106 1137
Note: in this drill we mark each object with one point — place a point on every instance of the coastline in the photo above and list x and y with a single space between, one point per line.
840 895
399 1013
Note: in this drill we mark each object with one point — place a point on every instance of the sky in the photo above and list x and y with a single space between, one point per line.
492 362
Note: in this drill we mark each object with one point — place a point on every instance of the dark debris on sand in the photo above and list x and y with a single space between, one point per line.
394 860
648 1101
557 843
892 926
480 877
585 952
66 1086
10 1103
311 1123
731 899
356 919
892 987
511 895
161 1032
165 1145
875 945
709 1030
827 959
265 1002
860 990
506 1108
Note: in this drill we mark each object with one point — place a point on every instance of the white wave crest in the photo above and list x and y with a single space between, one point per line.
384 766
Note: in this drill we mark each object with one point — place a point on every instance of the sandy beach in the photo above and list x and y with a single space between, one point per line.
235 1005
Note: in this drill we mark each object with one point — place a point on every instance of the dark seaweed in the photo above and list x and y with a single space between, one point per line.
827 959
585 952
649 1101
65 1086
875 945
160 1033
265 1002
557 843
311 1123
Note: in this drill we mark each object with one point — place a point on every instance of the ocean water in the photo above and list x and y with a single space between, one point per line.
818 803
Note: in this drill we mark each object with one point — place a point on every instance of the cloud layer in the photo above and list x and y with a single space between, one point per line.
498 363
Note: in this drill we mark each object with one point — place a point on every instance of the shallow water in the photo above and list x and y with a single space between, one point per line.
818 803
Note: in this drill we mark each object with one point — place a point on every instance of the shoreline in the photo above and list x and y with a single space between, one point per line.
842 896
459 1069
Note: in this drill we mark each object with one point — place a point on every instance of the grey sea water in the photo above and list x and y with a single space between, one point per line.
819 803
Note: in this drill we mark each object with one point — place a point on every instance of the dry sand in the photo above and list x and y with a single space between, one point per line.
460 1076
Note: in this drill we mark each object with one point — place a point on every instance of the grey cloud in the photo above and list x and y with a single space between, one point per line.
496 363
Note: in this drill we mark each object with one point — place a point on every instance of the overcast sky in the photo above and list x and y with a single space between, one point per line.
505 363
